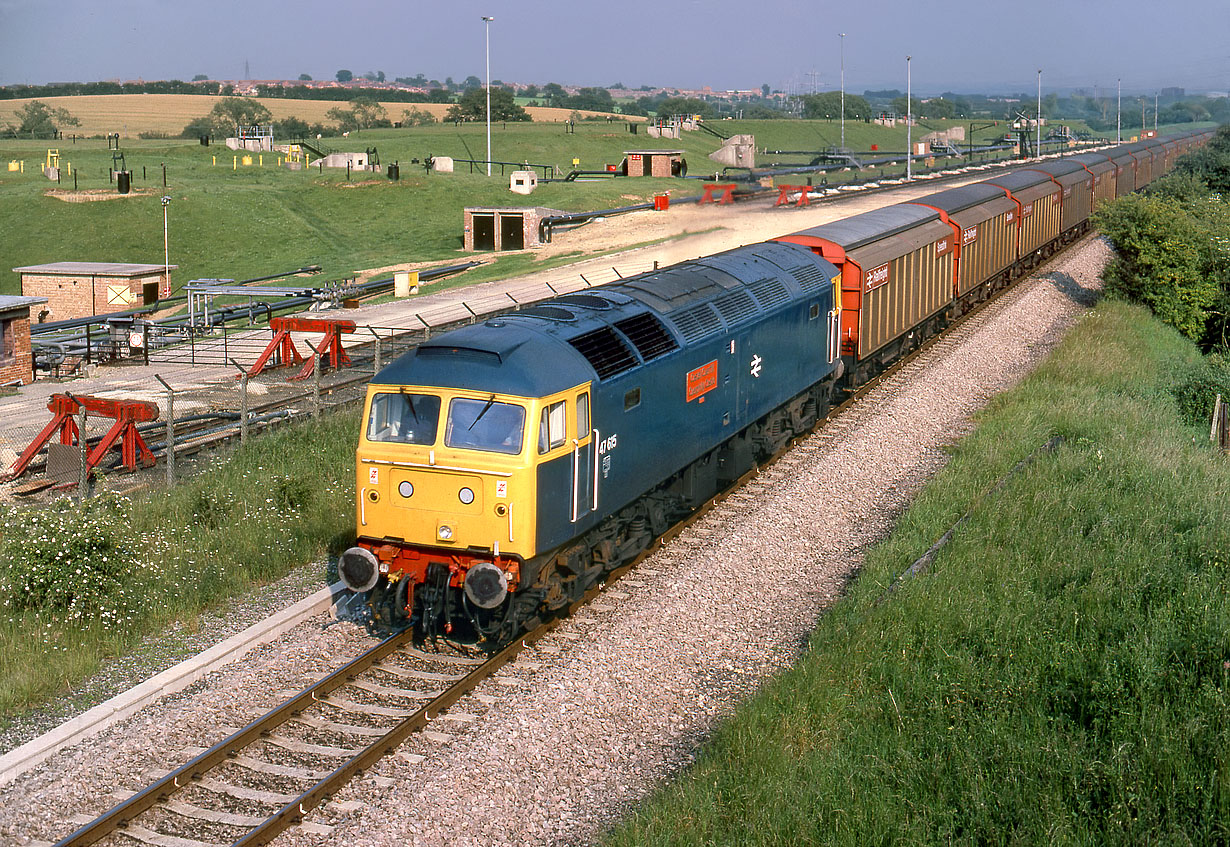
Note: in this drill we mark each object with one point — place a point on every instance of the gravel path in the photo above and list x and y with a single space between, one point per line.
621 696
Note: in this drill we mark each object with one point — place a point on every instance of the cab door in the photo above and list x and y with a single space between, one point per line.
584 460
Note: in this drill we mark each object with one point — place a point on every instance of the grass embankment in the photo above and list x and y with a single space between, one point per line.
1060 675
81 584
236 222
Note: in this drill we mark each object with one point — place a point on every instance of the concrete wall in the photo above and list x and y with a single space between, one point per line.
738 151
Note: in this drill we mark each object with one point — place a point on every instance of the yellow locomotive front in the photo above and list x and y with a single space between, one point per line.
444 495
446 470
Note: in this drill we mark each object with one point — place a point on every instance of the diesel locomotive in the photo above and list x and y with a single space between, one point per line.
504 468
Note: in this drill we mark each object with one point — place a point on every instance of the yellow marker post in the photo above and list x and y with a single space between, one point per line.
234 163
215 161
261 160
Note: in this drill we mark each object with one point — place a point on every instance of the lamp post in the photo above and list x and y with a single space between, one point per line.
842 36
166 247
1039 141
909 137
487 26
1119 115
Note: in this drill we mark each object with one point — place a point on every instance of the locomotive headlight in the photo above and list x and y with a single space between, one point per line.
406 489
444 532
466 496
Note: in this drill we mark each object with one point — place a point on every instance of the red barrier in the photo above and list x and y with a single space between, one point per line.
282 350
727 191
126 414
785 190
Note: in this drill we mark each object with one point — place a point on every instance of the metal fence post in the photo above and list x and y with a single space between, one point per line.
376 348
243 403
319 363
83 478
170 438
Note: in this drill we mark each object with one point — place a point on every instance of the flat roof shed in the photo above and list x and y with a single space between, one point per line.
83 289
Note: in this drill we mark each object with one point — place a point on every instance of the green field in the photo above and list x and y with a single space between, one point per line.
1062 673
235 222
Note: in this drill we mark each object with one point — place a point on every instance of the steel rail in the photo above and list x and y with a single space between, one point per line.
293 812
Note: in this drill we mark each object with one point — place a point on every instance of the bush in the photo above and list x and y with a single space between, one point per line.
72 561
1164 260
1197 386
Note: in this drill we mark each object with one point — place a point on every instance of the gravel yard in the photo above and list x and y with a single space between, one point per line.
618 699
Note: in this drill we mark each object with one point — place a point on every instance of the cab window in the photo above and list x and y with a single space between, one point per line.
583 416
551 432
404 418
485 425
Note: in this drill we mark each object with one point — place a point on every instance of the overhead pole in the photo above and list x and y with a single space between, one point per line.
487 19
842 36
1039 141
909 136
1119 114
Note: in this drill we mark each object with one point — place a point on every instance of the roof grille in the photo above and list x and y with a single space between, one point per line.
585 301
605 350
809 278
550 313
769 292
647 335
735 307
697 322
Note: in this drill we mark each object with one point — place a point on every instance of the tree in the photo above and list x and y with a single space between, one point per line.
472 82
828 105
38 120
344 76
553 93
305 77
684 106
1164 259
765 90
472 106
417 117
364 113
200 78
230 113
530 91
593 99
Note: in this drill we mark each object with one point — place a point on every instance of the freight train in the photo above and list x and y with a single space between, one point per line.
504 468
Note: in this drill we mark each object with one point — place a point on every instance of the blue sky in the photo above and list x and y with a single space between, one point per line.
788 44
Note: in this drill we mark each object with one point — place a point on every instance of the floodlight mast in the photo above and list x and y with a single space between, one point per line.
487 19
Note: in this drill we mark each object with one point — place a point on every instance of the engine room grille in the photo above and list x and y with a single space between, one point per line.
647 335
605 350
736 306
697 322
769 292
809 278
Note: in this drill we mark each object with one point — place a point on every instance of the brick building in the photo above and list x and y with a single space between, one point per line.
82 289
16 360
489 228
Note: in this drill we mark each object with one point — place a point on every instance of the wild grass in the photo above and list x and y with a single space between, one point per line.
84 583
1059 676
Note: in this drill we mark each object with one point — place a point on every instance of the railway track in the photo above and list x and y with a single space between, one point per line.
266 777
